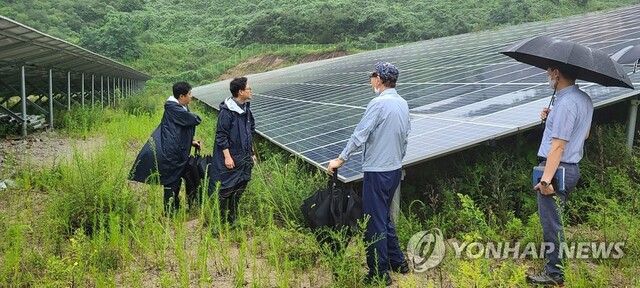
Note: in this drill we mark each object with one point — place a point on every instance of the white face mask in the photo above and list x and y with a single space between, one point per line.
552 82
376 90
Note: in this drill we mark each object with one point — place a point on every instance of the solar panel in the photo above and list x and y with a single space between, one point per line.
460 90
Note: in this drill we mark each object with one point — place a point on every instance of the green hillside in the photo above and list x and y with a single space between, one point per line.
184 39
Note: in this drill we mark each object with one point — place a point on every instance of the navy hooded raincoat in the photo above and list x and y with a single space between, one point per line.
170 144
234 131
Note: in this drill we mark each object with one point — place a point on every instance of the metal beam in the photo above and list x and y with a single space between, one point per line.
10 88
24 102
10 113
108 93
93 97
82 91
101 92
68 91
50 99
631 123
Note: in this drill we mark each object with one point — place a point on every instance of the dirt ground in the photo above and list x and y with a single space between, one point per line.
271 62
41 149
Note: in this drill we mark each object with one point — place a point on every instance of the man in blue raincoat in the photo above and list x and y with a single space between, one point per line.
167 150
233 155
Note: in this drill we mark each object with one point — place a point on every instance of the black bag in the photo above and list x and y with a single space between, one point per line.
195 174
337 207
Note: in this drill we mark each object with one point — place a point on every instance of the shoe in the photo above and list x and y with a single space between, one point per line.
373 279
546 279
402 268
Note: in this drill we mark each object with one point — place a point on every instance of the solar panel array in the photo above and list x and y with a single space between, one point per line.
21 45
460 90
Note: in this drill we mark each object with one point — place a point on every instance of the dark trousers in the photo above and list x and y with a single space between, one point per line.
378 189
230 200
171 199
551 217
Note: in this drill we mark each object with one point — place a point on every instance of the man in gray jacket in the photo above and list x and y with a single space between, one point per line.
382 135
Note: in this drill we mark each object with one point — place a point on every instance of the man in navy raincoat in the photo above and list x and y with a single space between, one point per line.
169 145
233 155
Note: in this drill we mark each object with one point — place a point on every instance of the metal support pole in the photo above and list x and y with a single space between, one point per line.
114 91
631 123
102 92
82 91
395 203
68 90
51 99
93 97
24 102
108 93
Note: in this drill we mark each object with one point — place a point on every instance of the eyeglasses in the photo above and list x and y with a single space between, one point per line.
245 89
373 75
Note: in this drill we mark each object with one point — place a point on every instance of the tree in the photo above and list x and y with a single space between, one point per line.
115 39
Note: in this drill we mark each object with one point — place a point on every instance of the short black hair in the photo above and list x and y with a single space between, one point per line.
391 82
237 84
568 72
181 88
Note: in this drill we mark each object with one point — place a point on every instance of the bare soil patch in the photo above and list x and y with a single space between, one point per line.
261 63
42 150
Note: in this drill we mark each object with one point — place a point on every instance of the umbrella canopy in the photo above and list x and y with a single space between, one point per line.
627 55
593 65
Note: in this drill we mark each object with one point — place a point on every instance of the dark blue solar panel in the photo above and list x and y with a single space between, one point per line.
460 90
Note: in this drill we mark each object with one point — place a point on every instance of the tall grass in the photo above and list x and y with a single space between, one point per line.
80 223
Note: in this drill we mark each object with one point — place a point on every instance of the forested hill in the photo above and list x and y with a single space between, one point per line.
127 30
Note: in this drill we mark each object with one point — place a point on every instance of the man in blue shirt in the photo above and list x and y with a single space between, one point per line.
382 135
567 127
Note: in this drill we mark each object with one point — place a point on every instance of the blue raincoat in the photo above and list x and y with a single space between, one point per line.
234 131
170 144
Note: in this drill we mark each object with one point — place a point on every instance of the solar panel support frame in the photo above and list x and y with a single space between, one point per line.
631 123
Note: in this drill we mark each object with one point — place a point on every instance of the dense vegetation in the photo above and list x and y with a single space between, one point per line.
169 37
79 223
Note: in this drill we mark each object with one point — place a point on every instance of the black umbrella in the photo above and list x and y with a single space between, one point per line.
593 65
627 55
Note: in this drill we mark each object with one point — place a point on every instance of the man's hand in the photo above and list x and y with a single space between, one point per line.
545 190
334 164
228 161
196 144
255 158
544 113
